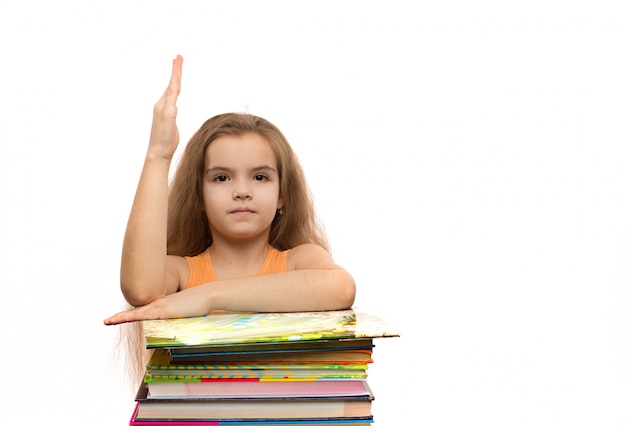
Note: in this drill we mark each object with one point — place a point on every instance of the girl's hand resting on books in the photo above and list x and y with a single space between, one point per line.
185 303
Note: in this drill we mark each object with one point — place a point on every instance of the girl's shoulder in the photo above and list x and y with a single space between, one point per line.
309 256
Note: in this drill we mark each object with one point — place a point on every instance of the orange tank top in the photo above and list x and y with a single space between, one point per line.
201 268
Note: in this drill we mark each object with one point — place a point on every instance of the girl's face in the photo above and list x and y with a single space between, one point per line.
240 187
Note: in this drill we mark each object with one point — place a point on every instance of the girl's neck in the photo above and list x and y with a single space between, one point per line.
238 259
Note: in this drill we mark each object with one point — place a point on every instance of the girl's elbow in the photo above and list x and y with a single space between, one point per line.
136 296
347 293
135 300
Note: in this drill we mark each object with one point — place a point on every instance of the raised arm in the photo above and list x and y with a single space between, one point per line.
143 275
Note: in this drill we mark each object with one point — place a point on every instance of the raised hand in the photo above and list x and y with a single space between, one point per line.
164 136
144 269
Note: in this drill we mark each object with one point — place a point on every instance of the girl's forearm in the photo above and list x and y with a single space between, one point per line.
298 290
293 291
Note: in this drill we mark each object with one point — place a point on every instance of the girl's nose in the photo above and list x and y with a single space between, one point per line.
242 192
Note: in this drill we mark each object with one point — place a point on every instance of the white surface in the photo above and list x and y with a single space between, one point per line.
467 159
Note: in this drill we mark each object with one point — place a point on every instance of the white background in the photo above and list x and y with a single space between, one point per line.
467 158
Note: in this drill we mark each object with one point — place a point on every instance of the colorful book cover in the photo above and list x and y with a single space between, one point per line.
329 422
229 328
161 360
250 422
313 357
256 389
282 408
302 374
270 347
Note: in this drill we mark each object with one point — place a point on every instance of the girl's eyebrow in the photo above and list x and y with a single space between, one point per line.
228 169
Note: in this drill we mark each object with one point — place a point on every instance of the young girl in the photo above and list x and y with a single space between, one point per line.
236 231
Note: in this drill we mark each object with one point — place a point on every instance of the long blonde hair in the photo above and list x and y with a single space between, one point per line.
188 230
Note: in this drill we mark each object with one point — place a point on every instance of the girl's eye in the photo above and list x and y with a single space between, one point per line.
260 178
220 178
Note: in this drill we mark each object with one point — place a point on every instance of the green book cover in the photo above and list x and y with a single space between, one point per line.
230 328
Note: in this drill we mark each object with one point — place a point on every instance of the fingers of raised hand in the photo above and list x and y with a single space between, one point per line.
167 103
177 72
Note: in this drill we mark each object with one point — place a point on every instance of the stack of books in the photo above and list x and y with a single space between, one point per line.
302 368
